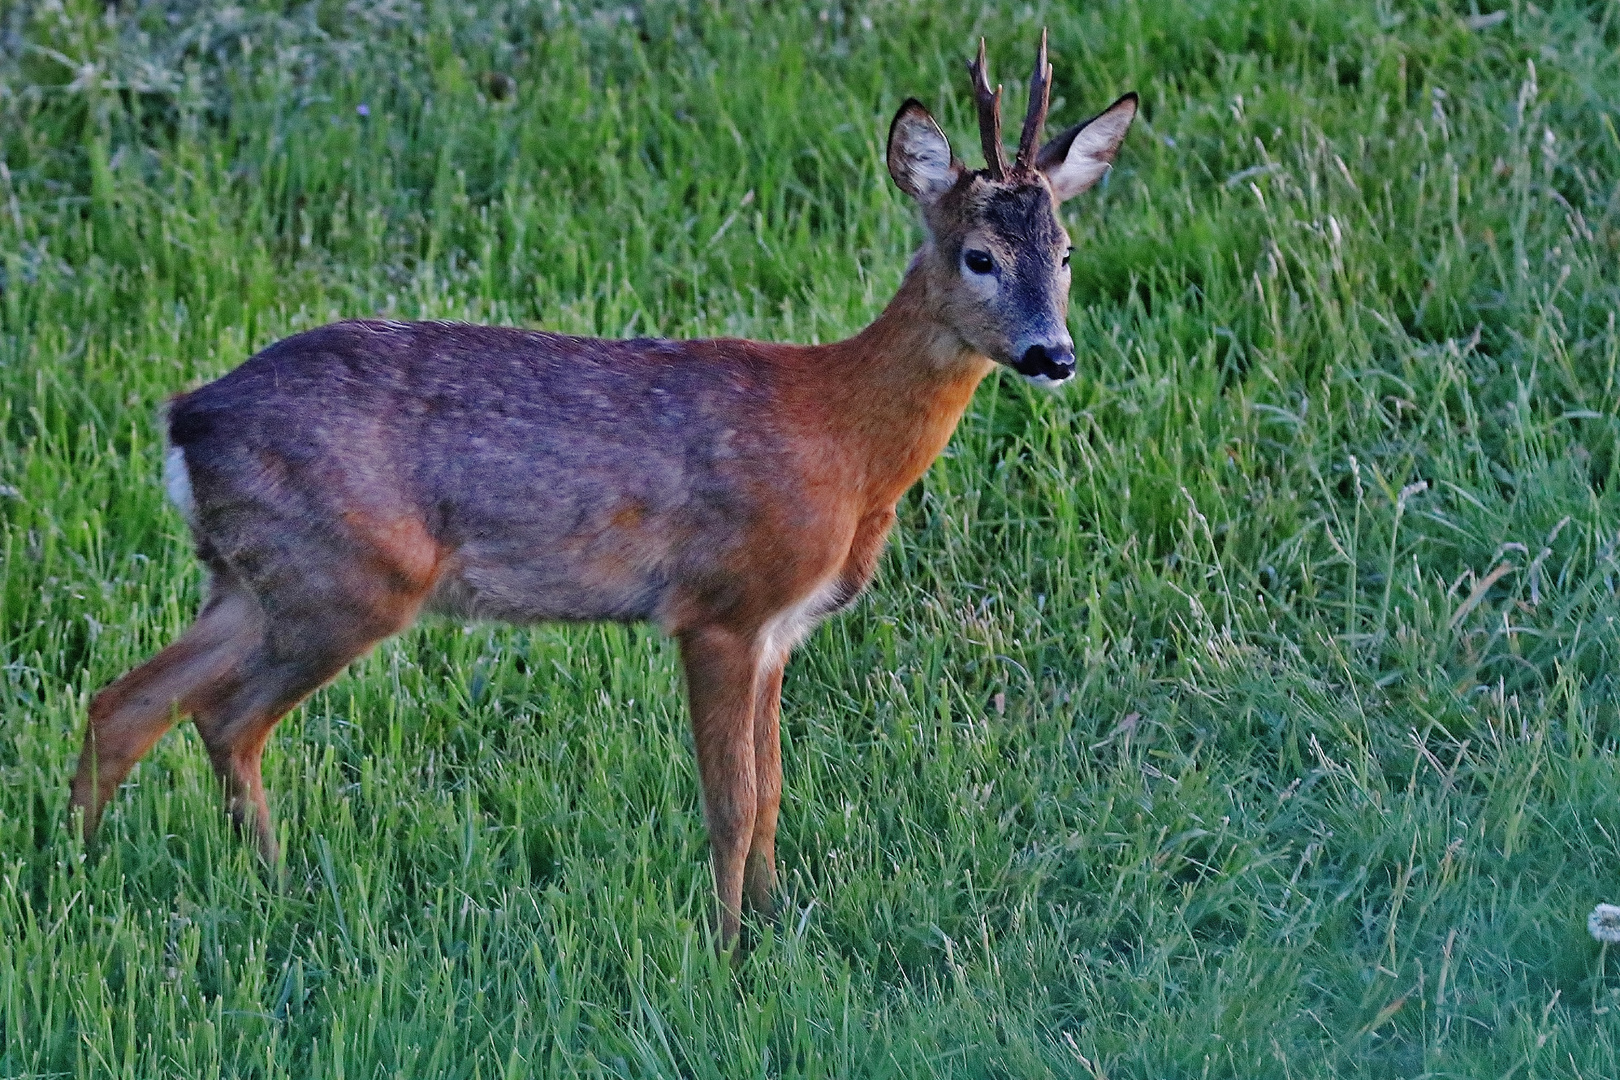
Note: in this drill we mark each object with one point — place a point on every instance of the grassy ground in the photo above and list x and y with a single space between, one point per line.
1246 709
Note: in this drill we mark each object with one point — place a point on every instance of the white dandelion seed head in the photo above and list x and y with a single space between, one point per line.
1604 923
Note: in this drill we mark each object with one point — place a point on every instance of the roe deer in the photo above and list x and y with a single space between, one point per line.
345 480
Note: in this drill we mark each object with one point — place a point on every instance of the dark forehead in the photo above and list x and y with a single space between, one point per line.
1019 212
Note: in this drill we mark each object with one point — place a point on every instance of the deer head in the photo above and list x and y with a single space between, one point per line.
997 257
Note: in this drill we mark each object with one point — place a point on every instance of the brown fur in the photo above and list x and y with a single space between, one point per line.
734 492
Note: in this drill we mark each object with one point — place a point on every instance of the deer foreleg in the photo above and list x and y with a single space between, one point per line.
722 682
759 875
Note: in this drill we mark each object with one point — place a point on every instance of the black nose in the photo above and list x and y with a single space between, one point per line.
1055 362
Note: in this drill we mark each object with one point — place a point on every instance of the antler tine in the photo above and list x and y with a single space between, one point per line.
1040 96
989 102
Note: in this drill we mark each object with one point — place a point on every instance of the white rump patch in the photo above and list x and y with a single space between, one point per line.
177 482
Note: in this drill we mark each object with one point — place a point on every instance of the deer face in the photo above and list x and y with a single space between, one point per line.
997 260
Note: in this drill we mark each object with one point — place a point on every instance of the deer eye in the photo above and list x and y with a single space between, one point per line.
978 261
1066 255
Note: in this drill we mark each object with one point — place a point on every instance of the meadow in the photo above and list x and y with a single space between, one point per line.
1247 708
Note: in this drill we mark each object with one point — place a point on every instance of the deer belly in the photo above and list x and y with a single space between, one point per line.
567 581
584 546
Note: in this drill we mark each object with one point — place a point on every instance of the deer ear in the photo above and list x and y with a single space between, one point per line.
919 154
1080 156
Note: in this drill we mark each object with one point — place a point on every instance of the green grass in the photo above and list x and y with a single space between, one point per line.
1246 709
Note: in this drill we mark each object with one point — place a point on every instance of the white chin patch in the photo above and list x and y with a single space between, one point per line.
1046 382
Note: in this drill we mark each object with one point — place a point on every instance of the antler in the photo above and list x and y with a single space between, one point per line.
1040 96
989 102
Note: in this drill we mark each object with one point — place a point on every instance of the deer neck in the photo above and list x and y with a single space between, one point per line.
900 386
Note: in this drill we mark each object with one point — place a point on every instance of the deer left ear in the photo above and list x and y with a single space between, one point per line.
920 157
1080 156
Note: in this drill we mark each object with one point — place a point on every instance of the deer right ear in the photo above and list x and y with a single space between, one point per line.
919 154
1080 156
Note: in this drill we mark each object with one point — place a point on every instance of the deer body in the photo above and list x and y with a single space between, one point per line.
523 476
347 479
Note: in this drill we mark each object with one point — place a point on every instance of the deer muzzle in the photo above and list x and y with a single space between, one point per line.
1046 363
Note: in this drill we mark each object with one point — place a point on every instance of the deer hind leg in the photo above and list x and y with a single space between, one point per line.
759 873
236 723
315 627
722 681
129 716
